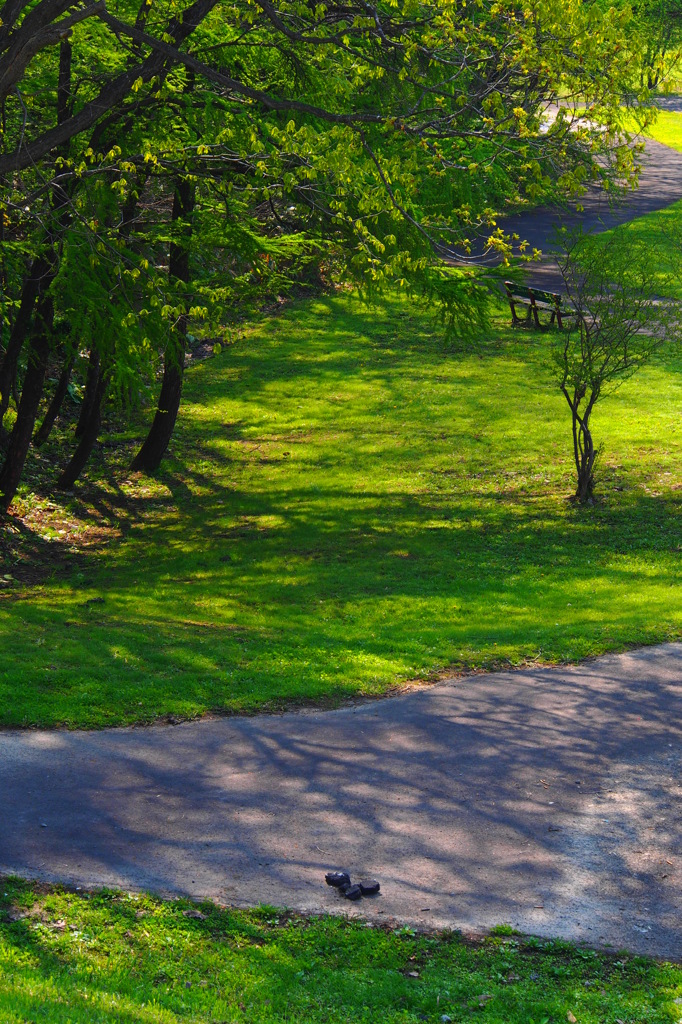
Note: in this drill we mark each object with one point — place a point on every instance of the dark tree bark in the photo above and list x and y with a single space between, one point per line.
154 448
40 30
31 393
91 384
42 270
88 436
64 103
43 431
37 282
584 452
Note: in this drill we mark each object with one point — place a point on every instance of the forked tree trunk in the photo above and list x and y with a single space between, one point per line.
584 452
154 448
31 393
54 408
88 436
584 461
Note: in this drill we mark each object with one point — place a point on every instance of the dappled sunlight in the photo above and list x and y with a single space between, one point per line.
565 780
343 510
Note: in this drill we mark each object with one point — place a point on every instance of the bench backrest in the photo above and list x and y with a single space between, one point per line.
521 292
551 298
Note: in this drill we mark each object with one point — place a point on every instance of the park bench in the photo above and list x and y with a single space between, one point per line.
537 301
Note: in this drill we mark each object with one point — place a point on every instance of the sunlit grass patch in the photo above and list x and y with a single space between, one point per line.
667 129
110 956
346 505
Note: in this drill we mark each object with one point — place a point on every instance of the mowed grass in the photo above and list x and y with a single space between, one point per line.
348 505
661 235
70 958
667 128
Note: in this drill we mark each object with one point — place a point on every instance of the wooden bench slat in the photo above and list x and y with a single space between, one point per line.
536 299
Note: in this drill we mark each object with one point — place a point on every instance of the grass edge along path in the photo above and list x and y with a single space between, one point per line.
347 505
85 957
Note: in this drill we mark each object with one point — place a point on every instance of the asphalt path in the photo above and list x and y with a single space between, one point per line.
660 185
547 798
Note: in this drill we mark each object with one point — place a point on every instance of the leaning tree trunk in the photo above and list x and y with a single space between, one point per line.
92 380
37 282
54 408
42 270
154 448
31 393
88 437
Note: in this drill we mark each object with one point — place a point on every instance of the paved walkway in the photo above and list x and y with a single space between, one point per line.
660 185
545 798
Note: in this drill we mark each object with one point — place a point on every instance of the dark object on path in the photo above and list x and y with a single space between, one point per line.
538 302
337 878
438 849
370 887
352 892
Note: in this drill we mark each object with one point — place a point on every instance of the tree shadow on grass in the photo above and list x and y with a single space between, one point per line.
270 564
317 595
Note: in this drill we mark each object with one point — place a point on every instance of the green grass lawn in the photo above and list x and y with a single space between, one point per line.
70 958
667 129
347 505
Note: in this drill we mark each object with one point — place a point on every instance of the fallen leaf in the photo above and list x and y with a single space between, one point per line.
571 1019
413 974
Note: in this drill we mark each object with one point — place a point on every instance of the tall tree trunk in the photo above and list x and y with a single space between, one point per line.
97 380
35 292
64 101
31 393
154 448
88 436
41 273
37 282
43 431
91 384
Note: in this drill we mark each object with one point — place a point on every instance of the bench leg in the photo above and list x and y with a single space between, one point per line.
535 314
516 319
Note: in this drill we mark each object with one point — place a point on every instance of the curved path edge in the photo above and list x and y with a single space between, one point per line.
546 798
660 185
